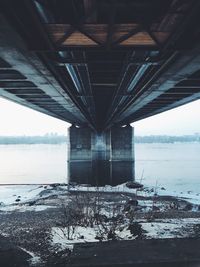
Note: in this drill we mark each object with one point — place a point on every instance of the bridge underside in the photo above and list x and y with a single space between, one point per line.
100 64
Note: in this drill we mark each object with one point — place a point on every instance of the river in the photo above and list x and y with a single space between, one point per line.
175 166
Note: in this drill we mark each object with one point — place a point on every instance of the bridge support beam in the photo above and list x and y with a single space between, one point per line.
101 158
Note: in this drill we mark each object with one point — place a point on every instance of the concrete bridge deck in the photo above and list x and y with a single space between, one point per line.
97 62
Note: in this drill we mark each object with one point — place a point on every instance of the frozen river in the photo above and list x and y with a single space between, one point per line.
175 166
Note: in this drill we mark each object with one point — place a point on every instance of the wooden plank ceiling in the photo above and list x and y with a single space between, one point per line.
96 34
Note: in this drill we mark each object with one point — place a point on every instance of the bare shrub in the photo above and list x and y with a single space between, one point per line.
91 210
69 220
109 225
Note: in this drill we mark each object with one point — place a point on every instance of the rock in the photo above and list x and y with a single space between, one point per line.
188 207
45 192
32 203
133 185
73 184
133 202
155 208
162 188
174 205
56 185
166 229
135 229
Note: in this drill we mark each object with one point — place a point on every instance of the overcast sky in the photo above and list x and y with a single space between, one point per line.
18 120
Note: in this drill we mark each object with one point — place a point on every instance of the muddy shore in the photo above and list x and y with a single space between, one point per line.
29 227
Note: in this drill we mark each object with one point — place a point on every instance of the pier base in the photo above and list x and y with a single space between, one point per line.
101 158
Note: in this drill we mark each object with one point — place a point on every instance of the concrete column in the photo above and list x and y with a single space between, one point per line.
80 143
101 158
122 143
101 146
122 154
80 155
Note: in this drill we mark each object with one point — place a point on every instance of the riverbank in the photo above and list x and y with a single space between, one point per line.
35 217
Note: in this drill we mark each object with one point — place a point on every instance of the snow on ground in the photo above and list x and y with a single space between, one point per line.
9 193
24 208
81 235
165 228
146 191
59 236
189 196
158 228
34 260
18 197
107 188
169 228
22 197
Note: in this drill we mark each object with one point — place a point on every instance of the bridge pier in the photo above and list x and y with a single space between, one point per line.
101 158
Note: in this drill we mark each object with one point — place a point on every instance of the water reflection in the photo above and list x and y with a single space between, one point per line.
101 172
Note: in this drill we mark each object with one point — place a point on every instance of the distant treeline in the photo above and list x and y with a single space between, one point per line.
167 138
59 139
46 139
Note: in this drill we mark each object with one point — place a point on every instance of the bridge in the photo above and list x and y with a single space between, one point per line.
100 65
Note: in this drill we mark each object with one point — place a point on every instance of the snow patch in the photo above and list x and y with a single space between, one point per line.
34 260
169 228
59 236
22 198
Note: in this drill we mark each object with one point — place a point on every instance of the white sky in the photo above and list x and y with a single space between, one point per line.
179 121
18 120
